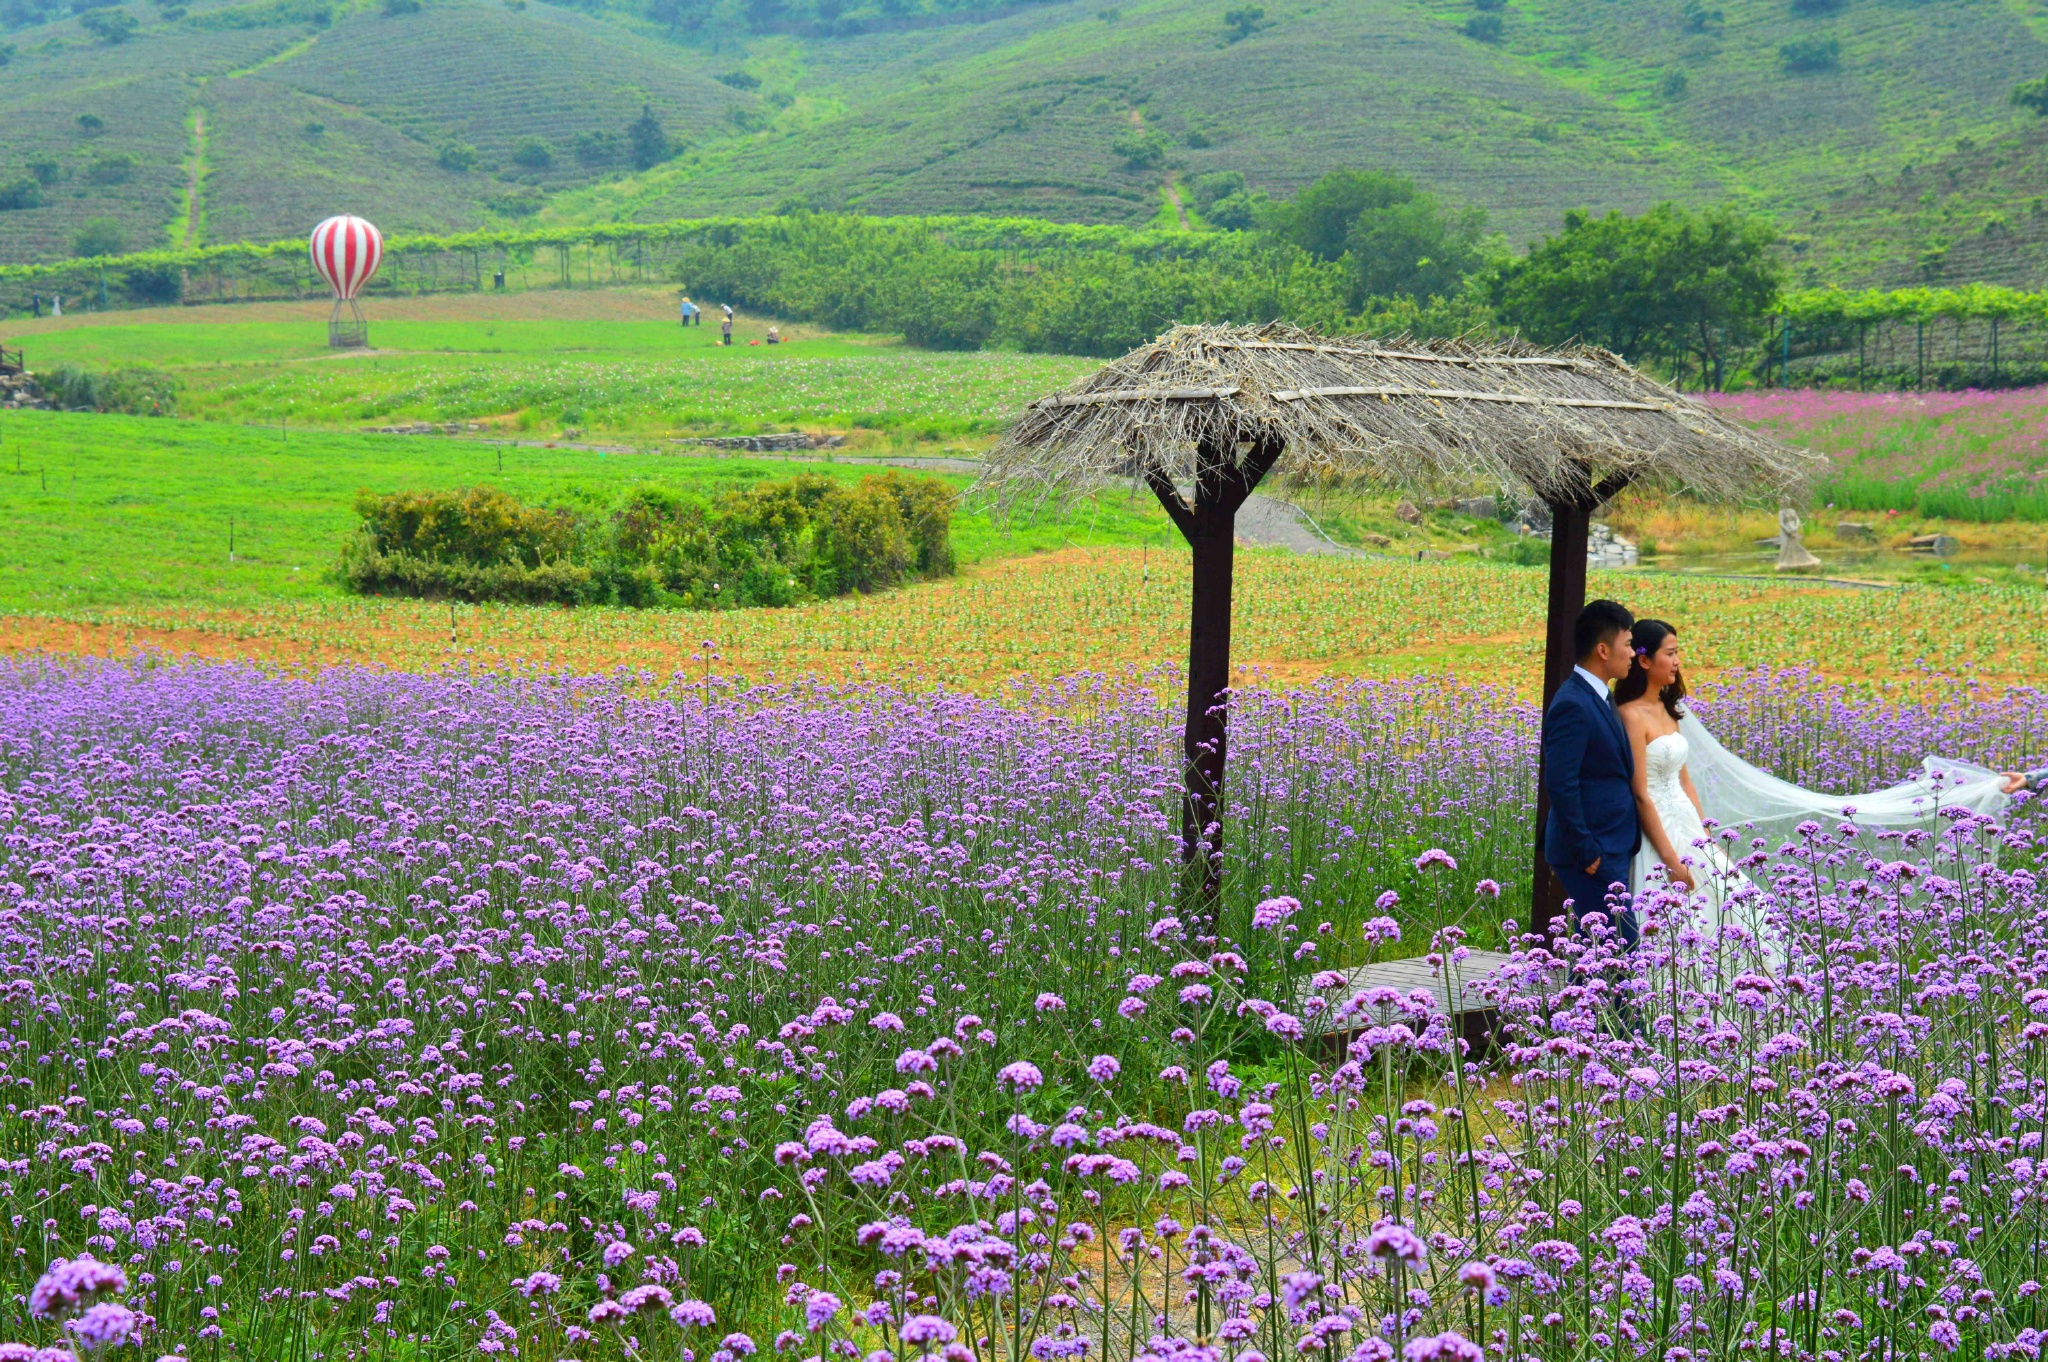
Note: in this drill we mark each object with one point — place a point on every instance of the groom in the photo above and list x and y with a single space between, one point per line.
1591 836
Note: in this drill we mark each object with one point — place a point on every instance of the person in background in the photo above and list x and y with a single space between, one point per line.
36 302
691 313
725 329
774 336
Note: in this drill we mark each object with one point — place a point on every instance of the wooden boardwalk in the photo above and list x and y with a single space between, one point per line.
1471 1010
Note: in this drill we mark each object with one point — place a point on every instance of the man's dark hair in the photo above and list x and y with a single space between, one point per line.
1598 622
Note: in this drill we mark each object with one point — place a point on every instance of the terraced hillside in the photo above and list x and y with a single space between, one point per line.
276 111
1979 212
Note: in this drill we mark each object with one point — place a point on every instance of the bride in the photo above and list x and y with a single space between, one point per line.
1671 747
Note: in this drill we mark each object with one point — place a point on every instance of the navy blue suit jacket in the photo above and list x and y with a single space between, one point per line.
1587 769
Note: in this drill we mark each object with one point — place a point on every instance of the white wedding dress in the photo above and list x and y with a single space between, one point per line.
1738 795
1727 896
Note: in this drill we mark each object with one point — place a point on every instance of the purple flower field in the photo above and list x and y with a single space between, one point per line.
388 1015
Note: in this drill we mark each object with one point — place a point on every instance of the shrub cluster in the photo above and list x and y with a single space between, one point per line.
942 286
774 544
134 392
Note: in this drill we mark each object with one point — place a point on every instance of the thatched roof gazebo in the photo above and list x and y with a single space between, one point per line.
1203 413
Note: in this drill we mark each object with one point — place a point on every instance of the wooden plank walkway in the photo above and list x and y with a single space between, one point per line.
1474 1014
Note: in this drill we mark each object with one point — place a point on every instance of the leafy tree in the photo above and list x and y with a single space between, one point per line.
646 141
45 169
1243 21
16 195
2032 94
596 148
1807 56
1814 8
1674 83
1141 150
1218 184
1321 217
1417 249
739 80
1239 212
99 236
1485 28
1666 283
1699 17
456 156
7 51
117 168
533 152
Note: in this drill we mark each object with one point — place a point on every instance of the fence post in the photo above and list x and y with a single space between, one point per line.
1994 346
1920 352
1785 365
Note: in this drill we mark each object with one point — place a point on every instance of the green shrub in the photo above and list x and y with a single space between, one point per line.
1141 150
19 194
533 152
45 169
115 168
98 236
153 284
597 148
1807 56
131 392
455 156
1485 28
110 26
769 545
1240 23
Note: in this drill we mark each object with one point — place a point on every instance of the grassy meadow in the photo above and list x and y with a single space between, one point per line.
611 363
215 533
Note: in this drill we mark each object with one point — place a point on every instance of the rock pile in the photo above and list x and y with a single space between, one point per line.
761 444
18 392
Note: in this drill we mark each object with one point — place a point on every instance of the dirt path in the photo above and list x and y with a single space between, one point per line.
194 177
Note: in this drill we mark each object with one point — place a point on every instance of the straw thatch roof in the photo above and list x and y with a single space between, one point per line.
1411 412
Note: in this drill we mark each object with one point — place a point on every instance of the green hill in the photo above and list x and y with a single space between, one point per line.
265 115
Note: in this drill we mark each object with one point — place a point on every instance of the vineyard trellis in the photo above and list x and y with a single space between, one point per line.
1979 335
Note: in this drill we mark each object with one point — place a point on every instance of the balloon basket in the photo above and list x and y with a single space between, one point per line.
350 332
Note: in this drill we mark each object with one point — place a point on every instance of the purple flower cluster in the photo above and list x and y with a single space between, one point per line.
551 1015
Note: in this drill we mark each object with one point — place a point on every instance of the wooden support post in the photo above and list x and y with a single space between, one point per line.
1571 523
1210 528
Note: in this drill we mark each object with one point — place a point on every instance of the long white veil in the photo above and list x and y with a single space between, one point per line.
1736 794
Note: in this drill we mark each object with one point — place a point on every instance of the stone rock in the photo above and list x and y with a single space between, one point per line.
1479 508
1940 545
1378 541
787 440
1432 556
1854 532
1408 513
1606 549
19 392
1533 518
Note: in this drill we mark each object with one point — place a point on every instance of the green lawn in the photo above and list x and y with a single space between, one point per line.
110 510
630 376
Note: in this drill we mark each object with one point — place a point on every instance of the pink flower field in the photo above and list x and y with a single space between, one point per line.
1970 455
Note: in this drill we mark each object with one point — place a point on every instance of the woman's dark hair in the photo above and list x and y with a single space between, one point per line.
1646 638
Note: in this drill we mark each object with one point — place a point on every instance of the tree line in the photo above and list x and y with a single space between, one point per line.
1697 294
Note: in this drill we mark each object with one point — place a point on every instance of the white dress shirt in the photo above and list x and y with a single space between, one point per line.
1599 686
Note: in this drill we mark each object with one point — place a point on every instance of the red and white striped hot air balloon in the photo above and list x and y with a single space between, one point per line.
346 252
